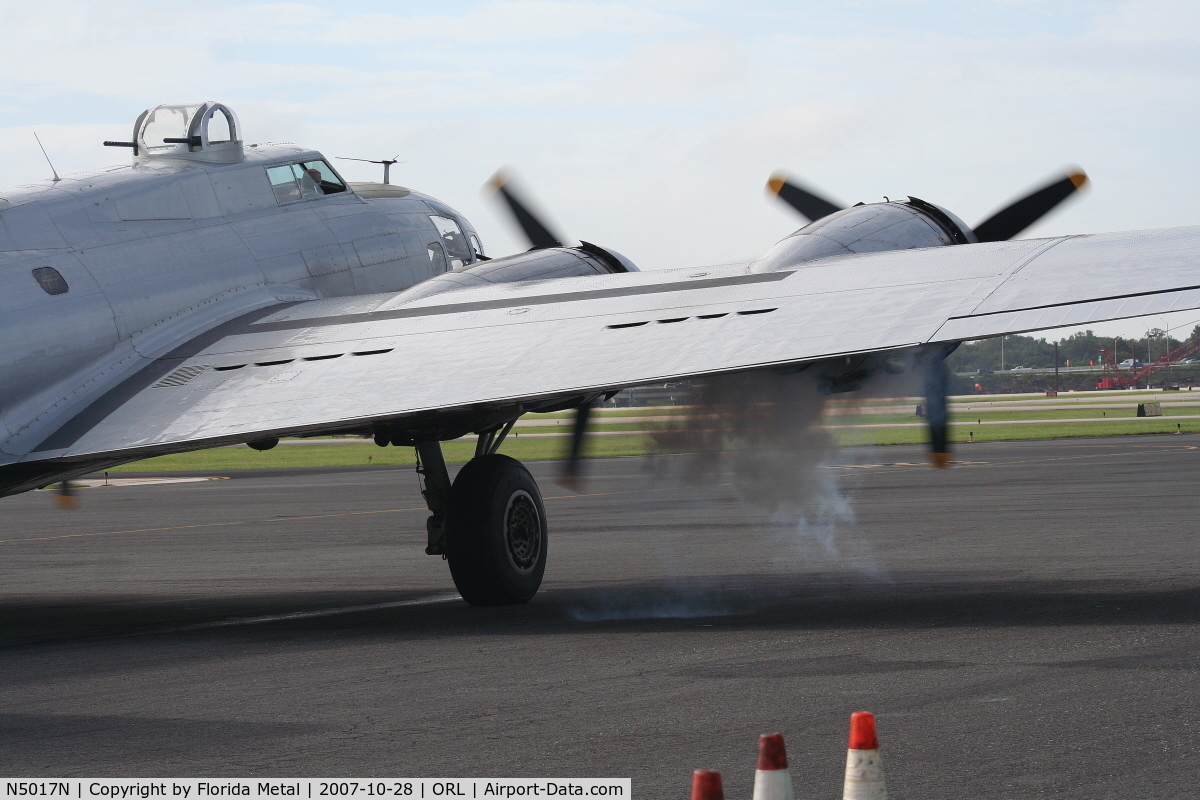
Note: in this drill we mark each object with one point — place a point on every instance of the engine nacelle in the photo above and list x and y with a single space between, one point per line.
896 225
535 265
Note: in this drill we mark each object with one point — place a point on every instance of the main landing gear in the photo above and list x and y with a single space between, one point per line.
489 524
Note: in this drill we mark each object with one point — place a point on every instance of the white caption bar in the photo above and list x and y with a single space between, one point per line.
412 788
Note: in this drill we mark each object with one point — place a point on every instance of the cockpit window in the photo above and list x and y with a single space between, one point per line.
304 181
310 186
437 257
283 183
458 249
325 177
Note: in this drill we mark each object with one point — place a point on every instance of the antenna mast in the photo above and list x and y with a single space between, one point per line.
55 179
387 164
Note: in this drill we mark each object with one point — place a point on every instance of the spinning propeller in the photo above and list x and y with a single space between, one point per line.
1001 226
64 495
540 237
1020 214
810 204
535 230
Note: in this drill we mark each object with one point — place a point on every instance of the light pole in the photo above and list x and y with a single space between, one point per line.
1056 369
1167 337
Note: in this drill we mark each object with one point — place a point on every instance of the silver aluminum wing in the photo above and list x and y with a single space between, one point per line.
329 364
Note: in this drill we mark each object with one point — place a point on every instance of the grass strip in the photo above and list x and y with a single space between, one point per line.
1008 433
231 458
356 455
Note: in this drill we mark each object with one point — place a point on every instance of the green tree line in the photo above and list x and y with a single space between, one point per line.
1076 350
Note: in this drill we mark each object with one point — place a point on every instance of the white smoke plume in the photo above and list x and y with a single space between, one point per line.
762 431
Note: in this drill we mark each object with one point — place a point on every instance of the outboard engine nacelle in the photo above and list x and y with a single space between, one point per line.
873 228
535 265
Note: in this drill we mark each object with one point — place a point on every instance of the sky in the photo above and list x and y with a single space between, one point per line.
650 128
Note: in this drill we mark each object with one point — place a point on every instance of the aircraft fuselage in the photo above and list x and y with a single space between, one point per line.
100 268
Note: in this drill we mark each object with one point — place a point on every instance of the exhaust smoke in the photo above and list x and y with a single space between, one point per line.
761 431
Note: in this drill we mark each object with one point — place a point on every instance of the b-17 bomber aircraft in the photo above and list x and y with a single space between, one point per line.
214 292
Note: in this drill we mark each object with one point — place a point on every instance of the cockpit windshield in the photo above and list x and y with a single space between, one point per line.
304 181
324 177
456 245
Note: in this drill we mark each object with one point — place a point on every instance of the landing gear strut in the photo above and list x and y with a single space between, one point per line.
490 524
431 466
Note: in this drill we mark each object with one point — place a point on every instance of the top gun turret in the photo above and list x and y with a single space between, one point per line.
206 132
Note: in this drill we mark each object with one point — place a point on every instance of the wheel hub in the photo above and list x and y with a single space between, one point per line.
522 532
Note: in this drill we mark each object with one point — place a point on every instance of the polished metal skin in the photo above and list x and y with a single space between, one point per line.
207 305
870 228
193 234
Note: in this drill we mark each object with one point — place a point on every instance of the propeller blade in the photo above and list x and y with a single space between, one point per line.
572 471
536 232
811 206
64 496
937 379
1016 217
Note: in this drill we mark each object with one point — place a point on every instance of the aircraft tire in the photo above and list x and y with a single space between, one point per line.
496 532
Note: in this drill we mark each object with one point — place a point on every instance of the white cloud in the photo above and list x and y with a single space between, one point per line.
1150 21
669 73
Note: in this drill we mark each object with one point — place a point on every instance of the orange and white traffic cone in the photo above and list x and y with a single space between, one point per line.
864 769
706 785
772 781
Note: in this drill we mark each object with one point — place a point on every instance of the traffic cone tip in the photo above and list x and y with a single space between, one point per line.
862 731
706 785
771 753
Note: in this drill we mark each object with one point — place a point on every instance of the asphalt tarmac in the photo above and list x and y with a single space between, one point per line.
1026 624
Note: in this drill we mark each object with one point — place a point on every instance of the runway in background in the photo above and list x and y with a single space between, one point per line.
1025 624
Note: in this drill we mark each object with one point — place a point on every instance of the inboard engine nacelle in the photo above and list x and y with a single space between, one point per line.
534 265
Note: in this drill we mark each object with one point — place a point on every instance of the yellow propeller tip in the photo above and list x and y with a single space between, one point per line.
775 184
1078 178
569 481
64 501
497 181
939 460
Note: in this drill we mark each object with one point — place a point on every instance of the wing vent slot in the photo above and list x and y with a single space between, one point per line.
323 358
273 363
698 316
231 366
373 352
180 376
